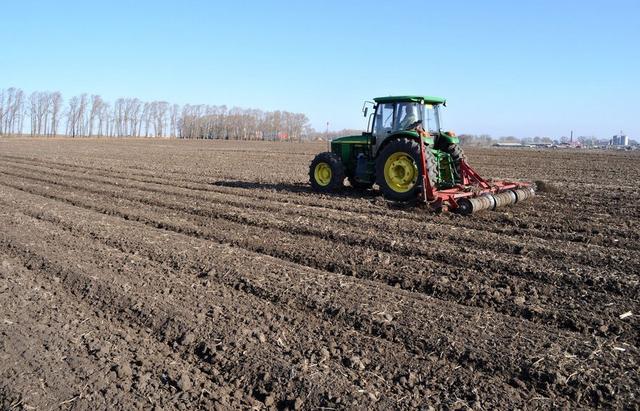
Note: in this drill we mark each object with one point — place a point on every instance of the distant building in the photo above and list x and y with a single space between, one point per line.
509 145
275 136
620 140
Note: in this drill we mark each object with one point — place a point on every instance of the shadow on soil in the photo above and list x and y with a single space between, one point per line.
297 188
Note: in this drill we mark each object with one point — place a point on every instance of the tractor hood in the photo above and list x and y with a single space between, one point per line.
360 139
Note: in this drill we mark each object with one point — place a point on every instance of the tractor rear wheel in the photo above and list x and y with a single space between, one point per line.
326 173
398 170
457 156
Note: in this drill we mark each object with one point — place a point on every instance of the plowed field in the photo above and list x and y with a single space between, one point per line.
184 274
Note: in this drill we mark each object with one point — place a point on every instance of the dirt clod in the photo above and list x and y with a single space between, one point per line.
269 400
184 382
187 339
519 300
124 370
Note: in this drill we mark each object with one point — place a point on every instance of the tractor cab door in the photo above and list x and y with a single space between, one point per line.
384 122
391 118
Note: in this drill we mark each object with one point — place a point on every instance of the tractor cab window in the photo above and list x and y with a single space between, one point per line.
384 119
393 117
431 122
408 114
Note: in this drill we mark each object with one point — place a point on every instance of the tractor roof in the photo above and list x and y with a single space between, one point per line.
416 99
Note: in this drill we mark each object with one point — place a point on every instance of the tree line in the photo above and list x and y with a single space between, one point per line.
44 113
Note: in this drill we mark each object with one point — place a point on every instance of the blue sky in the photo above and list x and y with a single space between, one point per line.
507 68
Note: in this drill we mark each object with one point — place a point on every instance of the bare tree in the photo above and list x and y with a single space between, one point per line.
56 108
11 111
39 111
160 111
119 118
104 120
46 112
3 111
133 109
33 111
83 121
72 116
77 116
173 120
94 113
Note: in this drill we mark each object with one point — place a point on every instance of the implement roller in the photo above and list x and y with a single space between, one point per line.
407 155
473 193
469 205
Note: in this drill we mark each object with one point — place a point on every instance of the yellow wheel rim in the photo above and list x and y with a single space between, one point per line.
400 172
322 174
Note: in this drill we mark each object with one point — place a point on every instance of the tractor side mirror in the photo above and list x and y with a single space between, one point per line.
366 110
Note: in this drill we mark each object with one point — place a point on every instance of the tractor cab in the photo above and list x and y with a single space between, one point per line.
394 115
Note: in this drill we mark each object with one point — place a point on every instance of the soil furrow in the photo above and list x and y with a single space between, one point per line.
107 358
435 229
424 340
582 233
423 278
169 325
231 354
472 245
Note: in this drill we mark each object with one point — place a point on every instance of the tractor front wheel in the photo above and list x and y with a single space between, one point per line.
326 173
398 170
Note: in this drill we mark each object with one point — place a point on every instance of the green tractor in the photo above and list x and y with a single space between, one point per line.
405 152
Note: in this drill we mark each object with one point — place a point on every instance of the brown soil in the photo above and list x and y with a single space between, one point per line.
184 274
